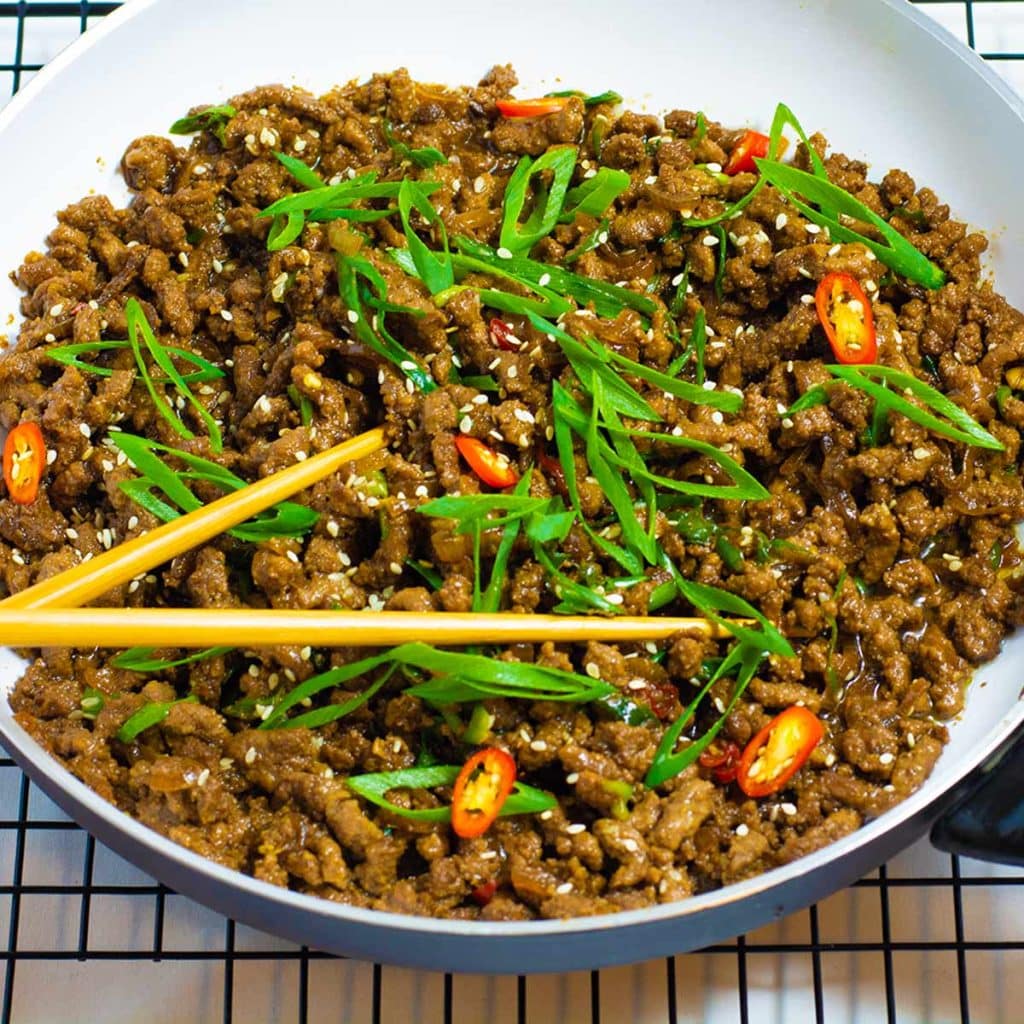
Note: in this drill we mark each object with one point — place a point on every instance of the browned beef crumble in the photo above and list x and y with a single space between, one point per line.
924 525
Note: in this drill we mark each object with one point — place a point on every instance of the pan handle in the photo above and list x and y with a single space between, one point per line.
986 820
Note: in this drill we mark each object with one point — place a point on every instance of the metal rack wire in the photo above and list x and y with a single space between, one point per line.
928 937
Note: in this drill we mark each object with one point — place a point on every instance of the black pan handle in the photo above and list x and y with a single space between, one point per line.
987 819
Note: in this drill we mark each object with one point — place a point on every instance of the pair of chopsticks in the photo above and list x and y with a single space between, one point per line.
47 614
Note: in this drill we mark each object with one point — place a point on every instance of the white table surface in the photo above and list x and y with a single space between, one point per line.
114 984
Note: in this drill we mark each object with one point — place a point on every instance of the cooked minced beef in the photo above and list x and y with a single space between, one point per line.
892 567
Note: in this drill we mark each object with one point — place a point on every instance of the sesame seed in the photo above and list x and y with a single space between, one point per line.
614 598
921 454
572 778
808 300
910 740
466 424
576 828
812 229
218 267
292 557
830 760
108 466
564 889
544 280
593 670
787 423
250 755
602 237
651 179
955 565
717 417
85 430
57 309
51 456
709 240
781 221
204 777
226 314
133 586
504 254
788 809
353 317
513 372
742 830
539 745
630 844
886 758
479 184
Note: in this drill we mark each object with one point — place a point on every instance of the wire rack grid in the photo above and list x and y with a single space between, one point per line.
926 938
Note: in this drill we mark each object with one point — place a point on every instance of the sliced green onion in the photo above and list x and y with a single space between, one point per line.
149 715
374 788
212 119
139 659
70 355
521 238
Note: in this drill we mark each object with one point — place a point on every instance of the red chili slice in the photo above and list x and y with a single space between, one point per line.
752 144
845 313
492 467
722 760
778 751
24 462
532 108
502 336
555 473
481 788
483 894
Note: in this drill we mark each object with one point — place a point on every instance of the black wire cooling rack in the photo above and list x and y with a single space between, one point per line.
926 938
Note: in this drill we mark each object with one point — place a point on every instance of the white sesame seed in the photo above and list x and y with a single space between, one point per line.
85 430
742 830
710 240
614 598
564 889
910 740
602 237
544 280
204 777
576 828
812 229
539 745
572 778
781 221
544 816
808 300
292 557
921 454
17 558
513 372
886 758
353 318
57 309
593 670
250 755
830 760
226 314
630 844
503 253
717 417
788 809
479 184
651 179
466 424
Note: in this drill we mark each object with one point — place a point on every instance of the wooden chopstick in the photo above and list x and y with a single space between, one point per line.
88 580
257 627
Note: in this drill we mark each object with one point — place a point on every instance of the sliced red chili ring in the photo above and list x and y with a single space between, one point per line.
483 894
752 144
722 760
481 788
538 107
845 314
502 335
24 462
778 751
493 468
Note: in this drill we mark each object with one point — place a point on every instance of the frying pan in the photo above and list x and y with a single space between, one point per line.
883 82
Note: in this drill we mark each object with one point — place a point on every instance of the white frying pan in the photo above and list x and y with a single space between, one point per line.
882 81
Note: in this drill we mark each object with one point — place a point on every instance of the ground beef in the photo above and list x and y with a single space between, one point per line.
892 565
